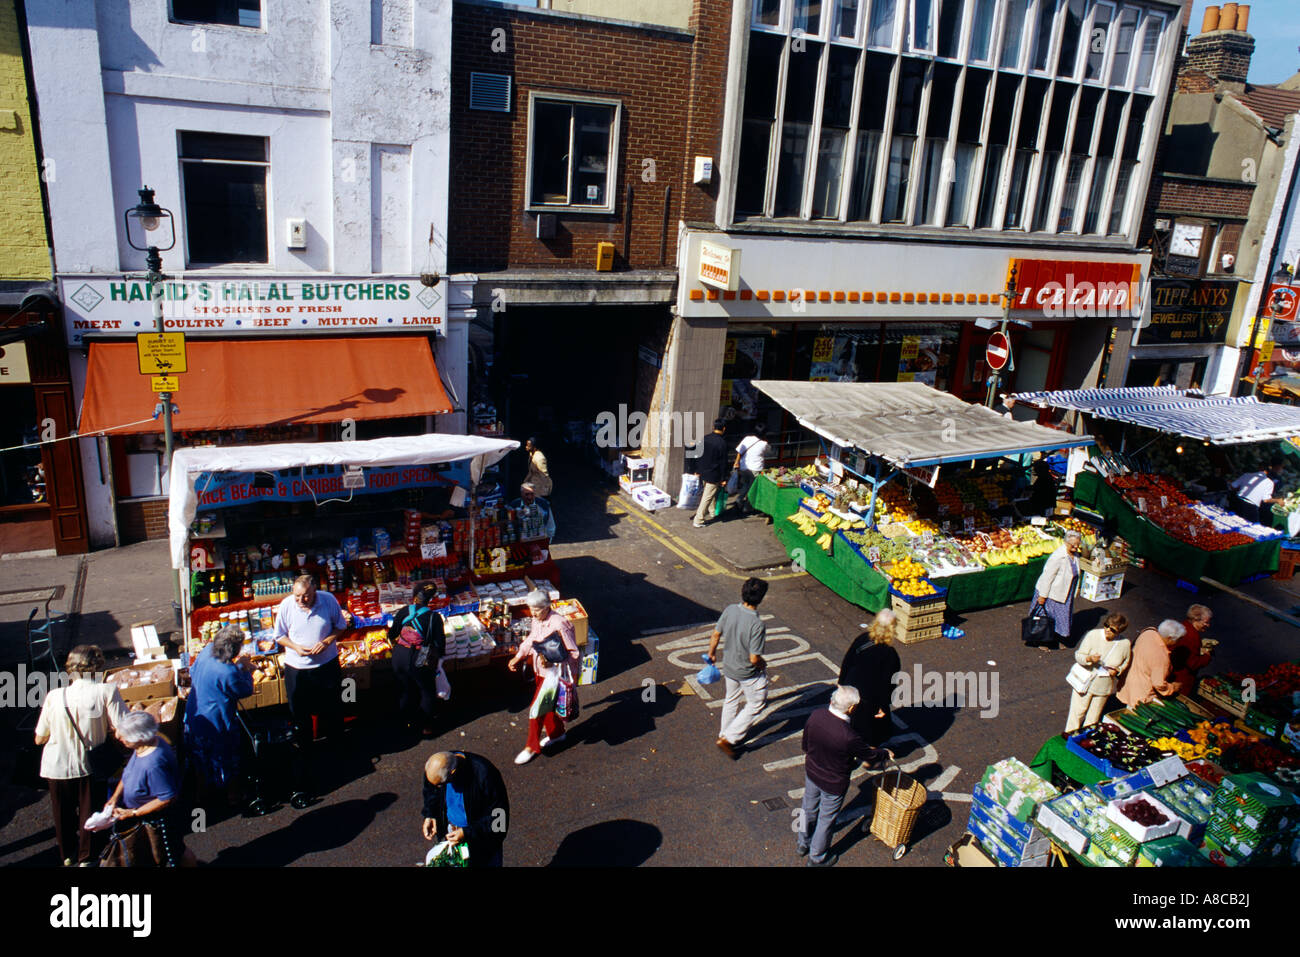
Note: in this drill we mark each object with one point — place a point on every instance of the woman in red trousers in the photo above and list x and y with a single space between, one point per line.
556 661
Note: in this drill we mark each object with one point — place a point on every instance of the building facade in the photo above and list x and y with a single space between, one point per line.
304 151
887 166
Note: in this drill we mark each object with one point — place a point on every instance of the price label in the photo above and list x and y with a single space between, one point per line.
433 549
873 554
1038 520
823 349
1142 505
927 538
947 526
968 523
1164 501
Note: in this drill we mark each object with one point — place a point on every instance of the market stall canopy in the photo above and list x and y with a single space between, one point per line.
1221 420
909 423
234 384
188 464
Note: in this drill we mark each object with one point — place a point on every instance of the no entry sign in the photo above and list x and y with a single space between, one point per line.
998 351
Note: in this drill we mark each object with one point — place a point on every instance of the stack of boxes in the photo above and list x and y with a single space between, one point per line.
412 536
1254 822
1003 807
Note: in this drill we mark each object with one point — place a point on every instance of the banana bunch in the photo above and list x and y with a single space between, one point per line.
825 542
834 521
804 522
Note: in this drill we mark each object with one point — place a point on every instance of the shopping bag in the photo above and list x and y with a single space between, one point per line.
566 701
690 494
1080 677
733 483
1034 629
544 702
441 685
709 673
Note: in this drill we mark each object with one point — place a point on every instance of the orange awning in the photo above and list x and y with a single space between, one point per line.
235 384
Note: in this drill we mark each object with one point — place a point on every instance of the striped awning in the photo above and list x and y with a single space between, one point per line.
1221 420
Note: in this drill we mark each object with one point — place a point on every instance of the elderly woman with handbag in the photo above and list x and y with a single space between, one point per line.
556 662
144 832
1054 592
79 753
1102 656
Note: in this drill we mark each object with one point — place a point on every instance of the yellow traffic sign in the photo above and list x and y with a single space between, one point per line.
161 353
164 383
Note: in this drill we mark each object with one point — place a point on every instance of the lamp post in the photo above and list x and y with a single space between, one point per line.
143 222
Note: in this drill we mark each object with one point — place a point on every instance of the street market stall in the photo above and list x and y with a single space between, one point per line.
876 521
1177 782
1163 501
367 520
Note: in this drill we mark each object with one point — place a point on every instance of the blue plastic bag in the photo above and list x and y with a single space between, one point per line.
709 673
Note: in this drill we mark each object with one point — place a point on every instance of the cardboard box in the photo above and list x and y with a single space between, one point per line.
967 853
359 673
170 713
572 609
145 681
267 693
1143 833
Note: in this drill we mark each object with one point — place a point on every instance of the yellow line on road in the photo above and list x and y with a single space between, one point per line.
692 556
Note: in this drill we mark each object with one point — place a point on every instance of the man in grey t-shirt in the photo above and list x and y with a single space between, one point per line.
743 668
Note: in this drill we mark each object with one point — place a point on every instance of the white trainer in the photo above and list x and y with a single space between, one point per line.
524 756
547 740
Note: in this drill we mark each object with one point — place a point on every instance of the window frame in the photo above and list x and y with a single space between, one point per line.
783 16
180 21
1149 16
1108 49
265 165
896 27
612 163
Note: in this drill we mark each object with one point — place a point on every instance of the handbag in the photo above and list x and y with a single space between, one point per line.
104 760
733 482
143 844
1080 677
1034 629
410 636
552 649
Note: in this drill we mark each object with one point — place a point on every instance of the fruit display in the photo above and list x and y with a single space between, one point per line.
1224 521
264 669
1161 499
1163 717
1143 812
1128 752
786 478
914 588
904 569
891 550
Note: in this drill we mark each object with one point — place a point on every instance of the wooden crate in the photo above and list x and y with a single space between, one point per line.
917 620
911 637
903 607
1286 563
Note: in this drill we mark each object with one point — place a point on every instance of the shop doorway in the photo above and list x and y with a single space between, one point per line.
1183 373
24 503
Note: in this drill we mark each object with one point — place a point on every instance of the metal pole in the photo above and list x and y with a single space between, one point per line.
1008 297
153 261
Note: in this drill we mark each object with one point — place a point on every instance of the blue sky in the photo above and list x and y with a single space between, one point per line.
1275 25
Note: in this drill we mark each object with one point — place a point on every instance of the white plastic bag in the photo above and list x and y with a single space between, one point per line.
441 684
690 496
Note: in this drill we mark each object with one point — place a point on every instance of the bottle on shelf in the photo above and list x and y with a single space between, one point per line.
222 591
214 590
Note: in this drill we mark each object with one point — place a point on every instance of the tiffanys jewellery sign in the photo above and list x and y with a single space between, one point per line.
243 305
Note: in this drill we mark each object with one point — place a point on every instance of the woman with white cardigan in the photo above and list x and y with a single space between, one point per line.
1057 585
1103 650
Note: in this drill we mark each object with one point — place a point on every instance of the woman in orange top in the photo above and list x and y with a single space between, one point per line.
1148 674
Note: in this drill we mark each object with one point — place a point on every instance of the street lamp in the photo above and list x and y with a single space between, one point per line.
143 224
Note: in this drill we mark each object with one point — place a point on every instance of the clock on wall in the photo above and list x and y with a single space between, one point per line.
1186 240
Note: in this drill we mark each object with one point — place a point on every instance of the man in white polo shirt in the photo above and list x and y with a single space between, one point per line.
308 624
751 458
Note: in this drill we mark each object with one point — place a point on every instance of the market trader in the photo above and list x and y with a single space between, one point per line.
1254 493
308 624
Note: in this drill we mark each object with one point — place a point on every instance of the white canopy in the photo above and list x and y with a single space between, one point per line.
910 423
187 464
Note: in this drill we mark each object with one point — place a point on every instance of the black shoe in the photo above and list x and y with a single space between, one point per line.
299 800
827 861
801 851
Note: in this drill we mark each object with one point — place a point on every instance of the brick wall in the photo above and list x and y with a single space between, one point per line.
670 87
1205 199
142 521
1222 53
24 249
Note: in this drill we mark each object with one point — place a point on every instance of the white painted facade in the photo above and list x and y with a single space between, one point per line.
353 97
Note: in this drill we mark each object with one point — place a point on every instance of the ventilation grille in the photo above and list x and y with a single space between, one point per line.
489 91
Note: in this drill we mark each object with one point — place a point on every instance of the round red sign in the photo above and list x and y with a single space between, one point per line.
998 351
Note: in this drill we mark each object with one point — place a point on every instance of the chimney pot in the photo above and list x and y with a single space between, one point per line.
1228 17
1211 20
1243 16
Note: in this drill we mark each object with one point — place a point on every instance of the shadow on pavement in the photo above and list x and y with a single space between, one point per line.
323 828
623 717
620 843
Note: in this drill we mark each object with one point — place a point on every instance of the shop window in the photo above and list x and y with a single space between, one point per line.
882 23
1004 102
1081 146
950 19
1125 29
767 13
1013 29
1127 165
224 181
1043 35
808 16
572 153
1152 27
871 122
1031 114
759 119
1053 149
837 110
1071 34
1098 40
938 118
966 150
796 130
1224 258
846 19
231 13
981 30
22 479
1104 161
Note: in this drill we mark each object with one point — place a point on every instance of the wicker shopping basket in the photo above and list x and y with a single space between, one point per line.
899 799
